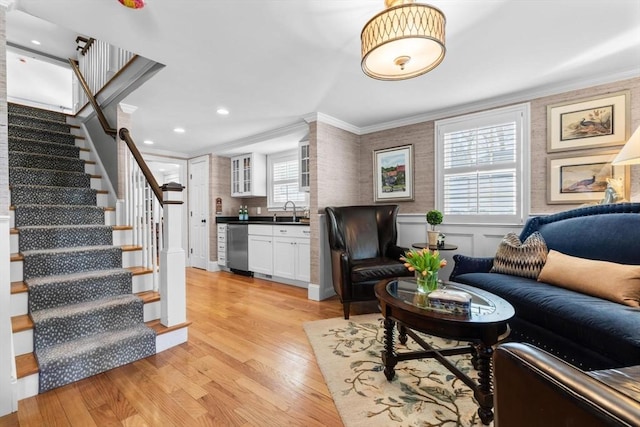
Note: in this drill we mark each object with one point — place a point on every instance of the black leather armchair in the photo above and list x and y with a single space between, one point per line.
536 389
363 250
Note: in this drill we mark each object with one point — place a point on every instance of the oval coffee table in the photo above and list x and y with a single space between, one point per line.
483 328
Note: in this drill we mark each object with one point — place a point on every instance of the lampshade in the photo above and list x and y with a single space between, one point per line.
630 153
404 41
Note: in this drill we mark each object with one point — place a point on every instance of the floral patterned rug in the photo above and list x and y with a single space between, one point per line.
422 394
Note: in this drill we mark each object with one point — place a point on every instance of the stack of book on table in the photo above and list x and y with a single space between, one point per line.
450 301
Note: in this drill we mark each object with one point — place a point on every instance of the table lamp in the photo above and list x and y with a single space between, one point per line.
630 153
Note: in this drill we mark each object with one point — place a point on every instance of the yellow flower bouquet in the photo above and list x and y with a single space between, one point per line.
425 263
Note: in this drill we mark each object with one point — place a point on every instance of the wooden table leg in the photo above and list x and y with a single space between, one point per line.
402 334
389 354
484 392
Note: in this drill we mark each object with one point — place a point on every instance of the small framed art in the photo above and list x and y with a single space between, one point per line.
589 123
583 178
393 174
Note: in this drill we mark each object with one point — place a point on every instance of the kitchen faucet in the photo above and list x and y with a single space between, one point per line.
294 209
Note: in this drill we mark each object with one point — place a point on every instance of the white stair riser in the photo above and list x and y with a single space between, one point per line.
15 274
79 142
122 237
90 168
102 200
23 342
142 283
151 311
96 183
19 303
12 218
13 243
28 386
85 155
110 217
131 258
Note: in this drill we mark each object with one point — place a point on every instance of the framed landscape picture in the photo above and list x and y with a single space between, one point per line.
584 178
393 174
590 123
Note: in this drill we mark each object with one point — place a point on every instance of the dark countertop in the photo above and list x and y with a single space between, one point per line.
266 220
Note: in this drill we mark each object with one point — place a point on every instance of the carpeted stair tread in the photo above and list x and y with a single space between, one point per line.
43 147
53 262
78 359
44 161
54 291
35 237
37 112
58 215
49 195
54 177
72 321
20 131
38 122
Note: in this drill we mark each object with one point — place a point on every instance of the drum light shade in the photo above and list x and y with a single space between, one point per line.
404 41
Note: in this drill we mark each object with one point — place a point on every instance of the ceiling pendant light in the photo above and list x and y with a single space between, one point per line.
133 4
403 41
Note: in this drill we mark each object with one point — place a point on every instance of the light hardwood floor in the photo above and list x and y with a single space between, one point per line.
247 363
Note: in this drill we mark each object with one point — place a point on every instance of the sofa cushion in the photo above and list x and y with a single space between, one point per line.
373 269
605 327
615 282
517 258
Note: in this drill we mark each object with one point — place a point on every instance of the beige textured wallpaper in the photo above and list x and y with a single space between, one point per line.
421 135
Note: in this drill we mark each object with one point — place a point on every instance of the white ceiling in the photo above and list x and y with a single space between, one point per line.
273 63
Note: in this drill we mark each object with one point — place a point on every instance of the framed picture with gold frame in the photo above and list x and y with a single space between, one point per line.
594 122
583 178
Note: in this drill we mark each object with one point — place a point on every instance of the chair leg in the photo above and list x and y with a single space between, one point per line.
345 307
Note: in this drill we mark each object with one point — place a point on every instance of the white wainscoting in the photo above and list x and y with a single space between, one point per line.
473 240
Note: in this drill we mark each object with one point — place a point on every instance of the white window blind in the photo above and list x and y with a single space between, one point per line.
283 180
480 166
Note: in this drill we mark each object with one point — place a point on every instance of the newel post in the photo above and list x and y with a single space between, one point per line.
173 296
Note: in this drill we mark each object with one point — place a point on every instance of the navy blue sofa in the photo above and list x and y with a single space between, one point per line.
586 331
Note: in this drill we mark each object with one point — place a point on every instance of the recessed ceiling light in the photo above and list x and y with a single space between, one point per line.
36 42
179 130
149 142
222 111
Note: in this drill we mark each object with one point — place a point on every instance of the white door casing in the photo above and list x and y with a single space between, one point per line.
199 212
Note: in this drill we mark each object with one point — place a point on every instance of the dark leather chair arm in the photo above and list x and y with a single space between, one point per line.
465 264
536 389
395 252
340 275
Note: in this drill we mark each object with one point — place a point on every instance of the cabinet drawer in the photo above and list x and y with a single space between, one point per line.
292 230
260 230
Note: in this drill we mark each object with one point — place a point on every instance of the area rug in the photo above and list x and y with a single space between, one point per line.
423 392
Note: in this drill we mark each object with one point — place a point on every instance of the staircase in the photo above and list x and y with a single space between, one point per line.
79 317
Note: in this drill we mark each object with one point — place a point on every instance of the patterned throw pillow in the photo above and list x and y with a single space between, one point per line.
520 259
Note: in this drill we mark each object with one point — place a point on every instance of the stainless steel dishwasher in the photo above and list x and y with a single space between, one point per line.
238 248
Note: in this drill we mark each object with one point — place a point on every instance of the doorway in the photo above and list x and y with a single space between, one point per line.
199 212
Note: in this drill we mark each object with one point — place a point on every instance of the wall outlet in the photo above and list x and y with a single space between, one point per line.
258 210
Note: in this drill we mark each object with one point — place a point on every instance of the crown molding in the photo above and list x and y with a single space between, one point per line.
325 118
523 96
163 153
253 139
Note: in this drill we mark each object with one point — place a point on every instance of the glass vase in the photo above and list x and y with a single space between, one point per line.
427 283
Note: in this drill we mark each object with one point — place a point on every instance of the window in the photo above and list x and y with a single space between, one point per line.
282 180
482 166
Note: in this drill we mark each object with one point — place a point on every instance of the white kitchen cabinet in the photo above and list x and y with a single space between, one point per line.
291 252
261 248
249 175
304 175
222 244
